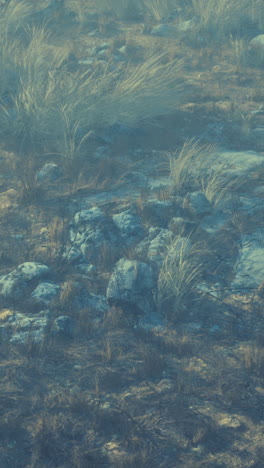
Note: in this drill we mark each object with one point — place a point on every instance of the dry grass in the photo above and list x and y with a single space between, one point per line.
187 164
219 18
197 167
116 395
179 276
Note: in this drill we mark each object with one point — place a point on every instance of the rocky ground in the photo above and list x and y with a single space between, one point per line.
131 286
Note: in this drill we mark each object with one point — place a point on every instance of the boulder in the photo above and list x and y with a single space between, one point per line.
63 327
197 204
154 246
19 328
160 212
50 172
181 226
164 30
13 284
91 230
131 286
130 226
257 44
45 292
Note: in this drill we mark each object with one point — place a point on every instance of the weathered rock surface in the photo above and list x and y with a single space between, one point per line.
63 326
13 284
50 172
155 245
45 292
160 212
131 286
91 230
257 44
197 204
250 264
19 328
130 226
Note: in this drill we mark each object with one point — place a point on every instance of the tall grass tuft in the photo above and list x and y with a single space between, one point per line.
219 18
179 276
186 165
198 167
159 9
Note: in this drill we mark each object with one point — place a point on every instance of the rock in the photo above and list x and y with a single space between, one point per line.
154 247
91 230
250 266
214 222
164 30
186 26
173 30
87 300
233 164
45 292
130 226
13 284
160 212
257 44
181 226
63 327
73 255
50 172
136 178
18 328
197 204
131 286
86 268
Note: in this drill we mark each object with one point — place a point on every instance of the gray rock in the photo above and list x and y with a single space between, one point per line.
173 30
198 204
250 264
130 226
86 268
154 247
160 212
181 226
257 44
73 255
13 284
63 327
237 163
87 300
91 230
50 172
45 292
164 30
131 286
186 26
214 222
18 328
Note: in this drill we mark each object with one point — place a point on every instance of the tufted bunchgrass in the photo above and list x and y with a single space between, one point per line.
179 276
219 18
186 164
159 10
14 15
198 166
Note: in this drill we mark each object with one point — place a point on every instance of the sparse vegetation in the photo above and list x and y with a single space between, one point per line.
89 90
179 276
